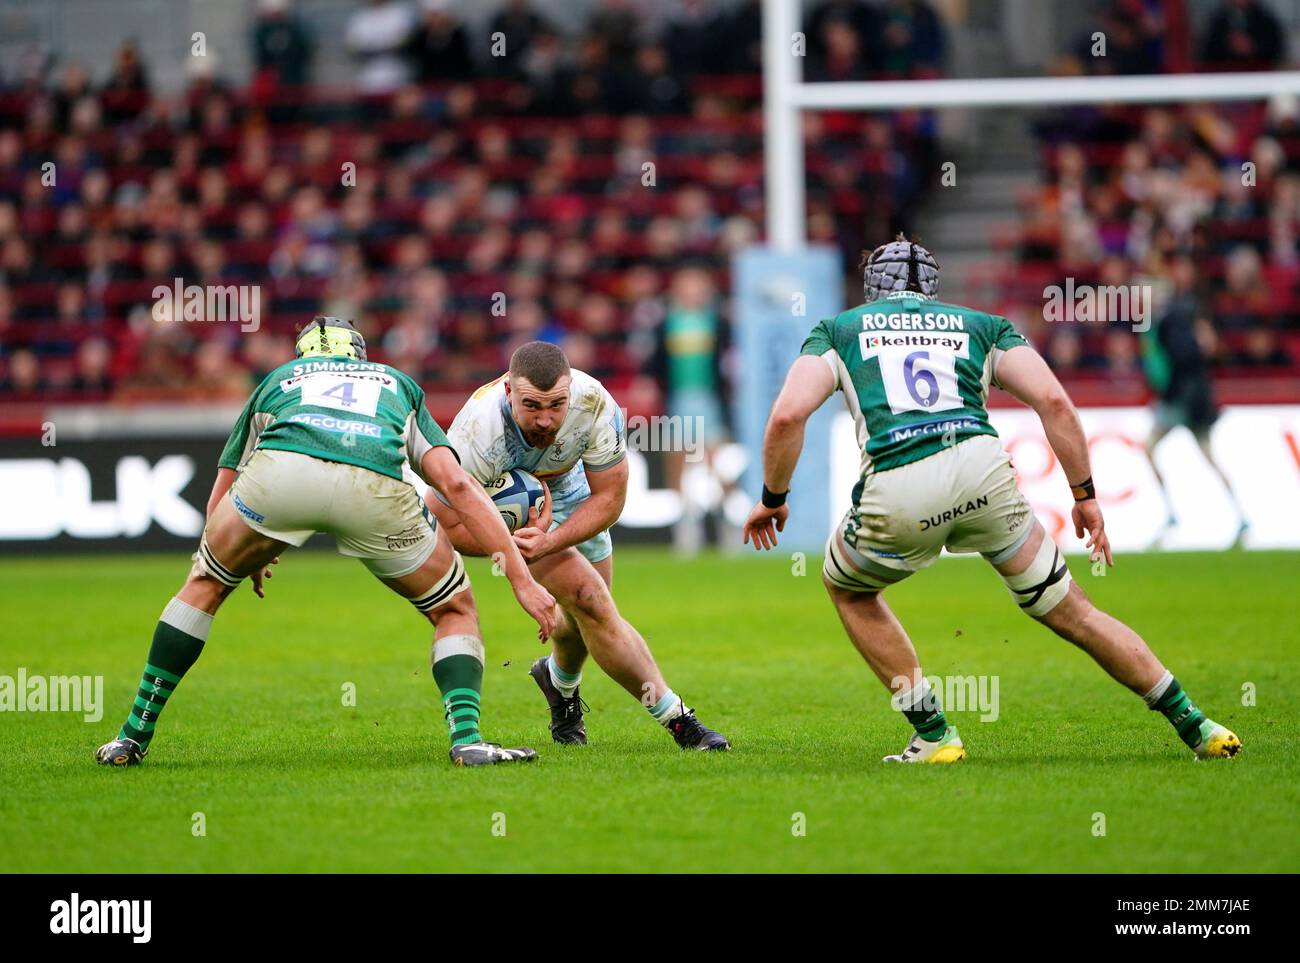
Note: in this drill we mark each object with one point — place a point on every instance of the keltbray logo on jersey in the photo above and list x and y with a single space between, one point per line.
874 342
955 512
339 426
908 432
917 369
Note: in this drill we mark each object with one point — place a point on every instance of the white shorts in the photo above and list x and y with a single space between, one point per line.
381 520
964 498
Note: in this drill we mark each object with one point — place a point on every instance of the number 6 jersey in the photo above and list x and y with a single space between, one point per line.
915 373
336 409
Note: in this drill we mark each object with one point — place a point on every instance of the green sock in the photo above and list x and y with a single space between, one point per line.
458 670
1169 699
177 642
921 707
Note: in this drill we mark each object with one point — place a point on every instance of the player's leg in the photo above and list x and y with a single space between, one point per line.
559 675
569 651
229 552
1040 582
1161 427
385 524
855 584
620 651
439 589
1202 433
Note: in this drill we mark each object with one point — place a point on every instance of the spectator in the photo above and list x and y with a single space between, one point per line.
93 372
841 56
660 92
1133 34
126 93
615 22
440 46
517 26
689 364
74 87
379 35
913 40
282 48
23 381
217 378
856 15
694 39
744 30
1243 35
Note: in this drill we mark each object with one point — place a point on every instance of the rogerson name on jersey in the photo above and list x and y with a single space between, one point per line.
913 321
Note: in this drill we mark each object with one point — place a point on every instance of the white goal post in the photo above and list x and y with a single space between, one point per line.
785 95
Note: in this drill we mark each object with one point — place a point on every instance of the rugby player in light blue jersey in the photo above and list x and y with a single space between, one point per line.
561 425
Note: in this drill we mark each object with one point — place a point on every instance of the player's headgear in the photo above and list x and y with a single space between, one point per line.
330 337
900 265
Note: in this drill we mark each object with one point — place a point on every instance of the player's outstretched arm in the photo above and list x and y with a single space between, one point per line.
483 522
449 521
1023 372
807 386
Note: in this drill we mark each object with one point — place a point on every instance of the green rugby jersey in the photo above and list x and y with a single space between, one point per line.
355 412
915 373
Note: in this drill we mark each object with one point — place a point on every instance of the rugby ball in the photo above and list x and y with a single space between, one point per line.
514 492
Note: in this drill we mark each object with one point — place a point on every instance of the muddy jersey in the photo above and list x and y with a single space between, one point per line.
592 437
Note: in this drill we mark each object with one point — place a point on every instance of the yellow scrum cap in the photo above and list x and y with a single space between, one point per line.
330 337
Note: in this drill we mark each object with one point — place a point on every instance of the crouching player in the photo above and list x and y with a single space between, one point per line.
561 424
915 373
320 447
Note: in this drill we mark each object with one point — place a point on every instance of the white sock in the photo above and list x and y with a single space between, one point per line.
566 682
668 708
1158 690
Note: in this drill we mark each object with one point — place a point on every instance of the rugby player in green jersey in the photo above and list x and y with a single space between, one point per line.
915 374
320 447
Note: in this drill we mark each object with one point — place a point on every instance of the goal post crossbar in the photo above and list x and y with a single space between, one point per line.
1042 91
785 96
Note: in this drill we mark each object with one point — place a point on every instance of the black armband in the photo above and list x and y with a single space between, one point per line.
1084 490
773 499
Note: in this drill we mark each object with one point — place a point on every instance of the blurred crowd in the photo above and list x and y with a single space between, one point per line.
1197 205
1155 36
585 188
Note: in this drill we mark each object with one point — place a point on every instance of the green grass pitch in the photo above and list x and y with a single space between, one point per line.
287 778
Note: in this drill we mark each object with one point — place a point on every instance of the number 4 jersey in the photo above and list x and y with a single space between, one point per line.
915 373
336 409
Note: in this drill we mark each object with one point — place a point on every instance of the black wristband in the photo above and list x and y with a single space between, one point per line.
773 499
1084 490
